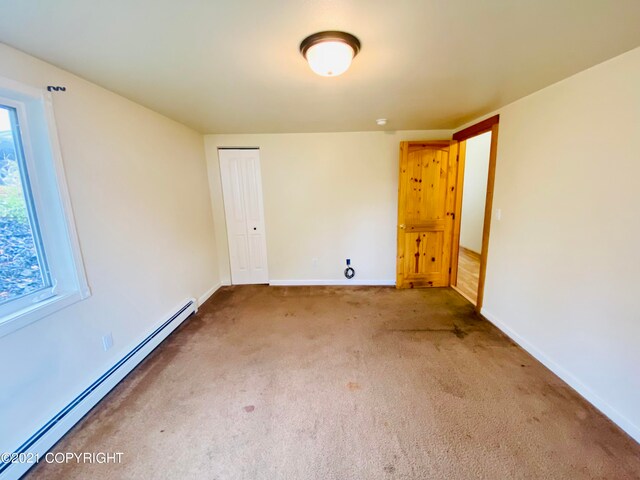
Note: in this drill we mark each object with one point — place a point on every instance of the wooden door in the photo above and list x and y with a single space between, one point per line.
426 204
242 194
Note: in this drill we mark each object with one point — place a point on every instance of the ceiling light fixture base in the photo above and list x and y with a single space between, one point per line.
330 36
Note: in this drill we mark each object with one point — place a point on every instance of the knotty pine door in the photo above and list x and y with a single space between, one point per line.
426 201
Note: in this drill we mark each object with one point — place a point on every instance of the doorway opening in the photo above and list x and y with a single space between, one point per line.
474 203
474 195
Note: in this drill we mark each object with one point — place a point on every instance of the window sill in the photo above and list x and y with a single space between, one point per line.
33 313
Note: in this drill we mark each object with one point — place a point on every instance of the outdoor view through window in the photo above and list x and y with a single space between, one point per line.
21 255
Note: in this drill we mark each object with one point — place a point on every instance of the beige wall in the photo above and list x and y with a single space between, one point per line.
564 262
138 186
476 168
327 196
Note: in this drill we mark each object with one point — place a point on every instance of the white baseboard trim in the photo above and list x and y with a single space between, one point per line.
345 282
590 395
42 440
206 295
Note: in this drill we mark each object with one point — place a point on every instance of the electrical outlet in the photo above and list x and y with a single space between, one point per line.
498 214
314 262
107 341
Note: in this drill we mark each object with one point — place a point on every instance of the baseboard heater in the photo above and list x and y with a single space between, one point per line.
41 441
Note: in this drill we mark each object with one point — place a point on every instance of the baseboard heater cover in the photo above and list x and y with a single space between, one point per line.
41 441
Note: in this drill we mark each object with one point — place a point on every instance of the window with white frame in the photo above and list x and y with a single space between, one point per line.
40 264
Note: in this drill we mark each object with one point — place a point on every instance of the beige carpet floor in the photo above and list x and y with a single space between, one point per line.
325 383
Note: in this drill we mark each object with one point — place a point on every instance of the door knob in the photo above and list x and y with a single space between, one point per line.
401 226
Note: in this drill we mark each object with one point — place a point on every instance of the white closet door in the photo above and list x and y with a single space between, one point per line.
242 192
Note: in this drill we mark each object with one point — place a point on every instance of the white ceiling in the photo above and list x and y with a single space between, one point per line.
233 66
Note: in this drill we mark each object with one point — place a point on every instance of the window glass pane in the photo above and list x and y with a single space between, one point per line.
22 262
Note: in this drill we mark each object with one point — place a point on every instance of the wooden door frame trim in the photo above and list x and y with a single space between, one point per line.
404 151
489 125
488 208
457 212
477 129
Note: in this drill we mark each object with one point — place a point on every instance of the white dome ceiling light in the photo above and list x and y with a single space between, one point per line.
330 53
